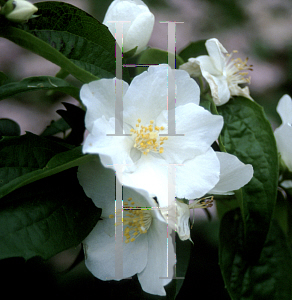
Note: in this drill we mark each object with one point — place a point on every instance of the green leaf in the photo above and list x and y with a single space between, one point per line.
56 127
9 128
155 56
183 253
29 158
3 78
45 217
68 37
248 134
269 277
74 116
194 49
38 83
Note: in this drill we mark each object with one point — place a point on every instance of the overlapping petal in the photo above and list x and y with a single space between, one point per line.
145 101
145 256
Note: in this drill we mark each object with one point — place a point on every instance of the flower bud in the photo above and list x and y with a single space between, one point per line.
18 10
138 23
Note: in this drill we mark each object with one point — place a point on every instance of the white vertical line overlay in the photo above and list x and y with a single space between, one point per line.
171 255
119 82
119 227
171 95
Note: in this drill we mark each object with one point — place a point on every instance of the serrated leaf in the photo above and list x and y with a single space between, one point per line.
38 83
269 277
68 37
248 134
155 56
74 116
29 158
194 49
45 217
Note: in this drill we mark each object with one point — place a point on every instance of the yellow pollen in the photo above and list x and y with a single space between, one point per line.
236 70
136 220
146 138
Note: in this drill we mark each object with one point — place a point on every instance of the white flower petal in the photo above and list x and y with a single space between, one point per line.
94 177
233 174
141 26
192 67
150 174
197 176
206 64
287 184
177 216
200 129
99 142
138 22
100 252
187 90
219 88
99 97
100 246
146 96
150 91
216 51
284 109
283 136
222 73
236 90
157 264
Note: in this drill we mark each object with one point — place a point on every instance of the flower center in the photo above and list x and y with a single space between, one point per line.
136 220
146 138
237 69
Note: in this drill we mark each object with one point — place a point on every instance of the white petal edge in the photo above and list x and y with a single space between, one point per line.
158 265
99 97
284 109
283 135
233 174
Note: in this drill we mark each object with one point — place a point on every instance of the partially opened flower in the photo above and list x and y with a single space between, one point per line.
144 248
283 133
222 73
147 156
233 175
138 23
18 10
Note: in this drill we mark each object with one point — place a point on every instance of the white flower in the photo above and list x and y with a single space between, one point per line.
144 248
147 157
222 73
138 31
19 10
233 175
283 134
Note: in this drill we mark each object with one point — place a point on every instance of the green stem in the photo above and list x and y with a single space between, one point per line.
62 74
